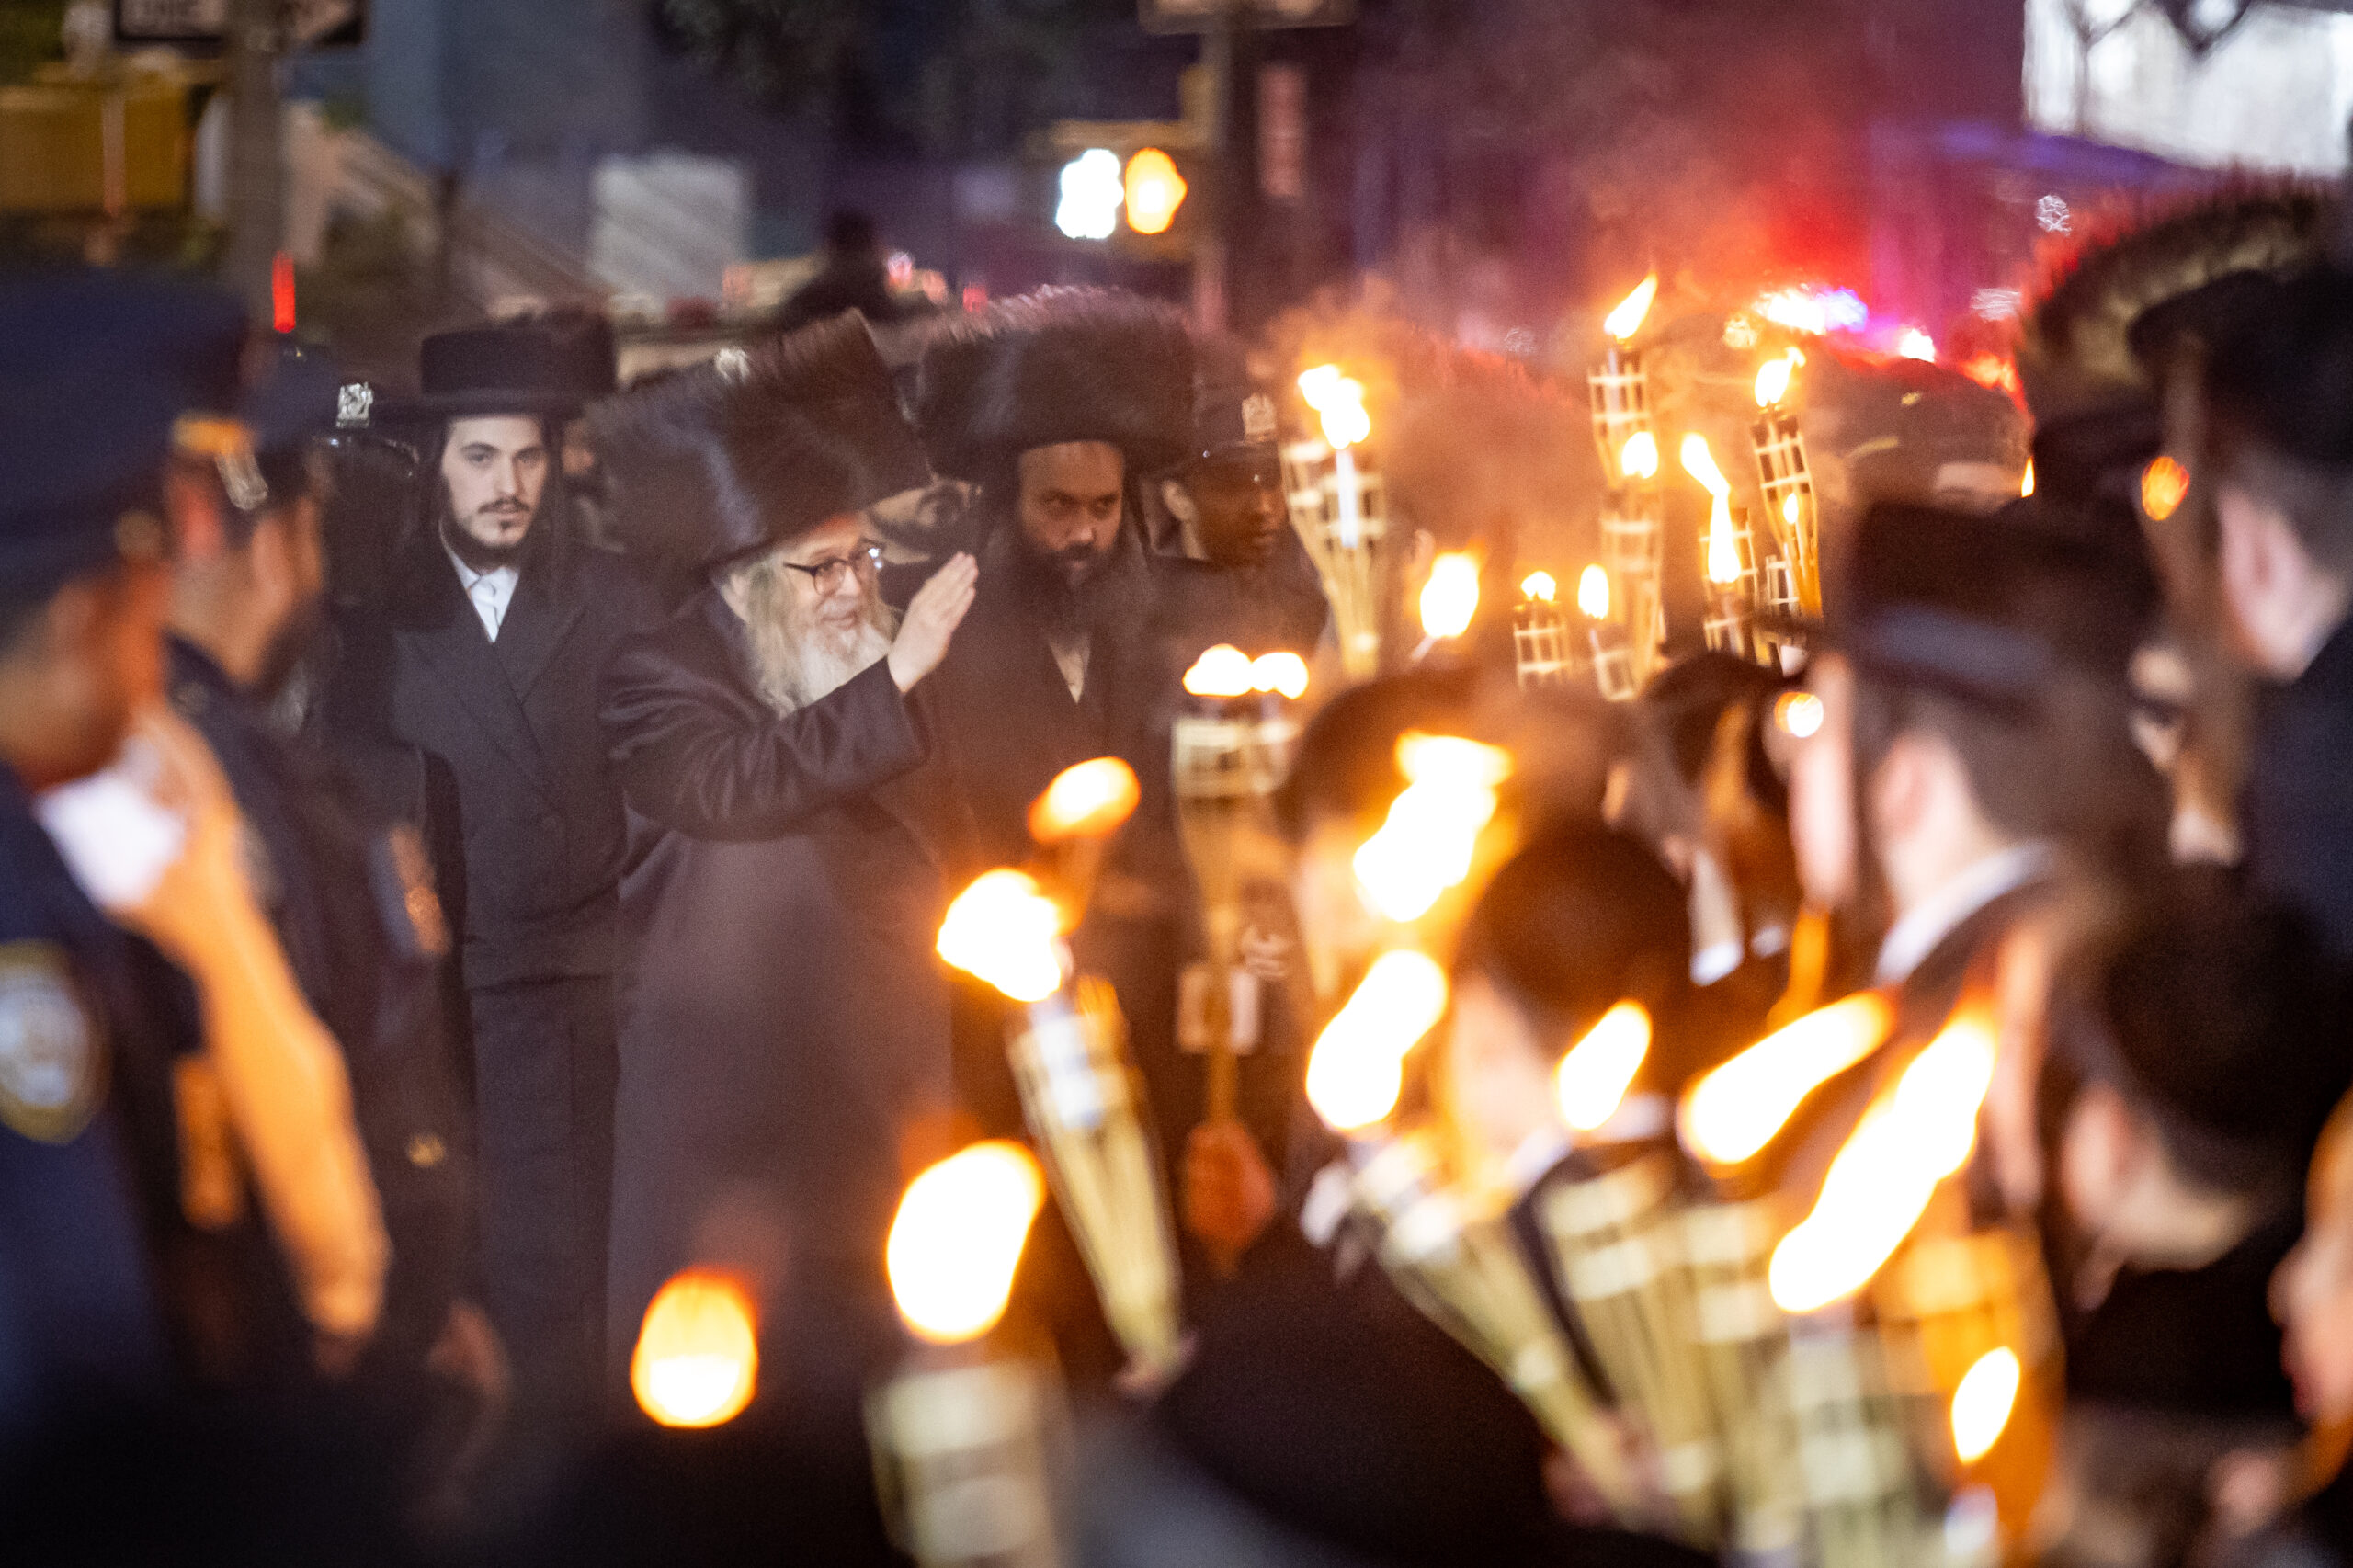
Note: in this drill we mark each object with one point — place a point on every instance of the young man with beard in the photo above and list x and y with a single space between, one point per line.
784 1029
348 893
485 655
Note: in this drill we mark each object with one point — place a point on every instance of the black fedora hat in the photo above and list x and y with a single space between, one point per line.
519 368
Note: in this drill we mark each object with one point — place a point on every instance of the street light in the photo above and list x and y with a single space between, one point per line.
1092 190
1154 190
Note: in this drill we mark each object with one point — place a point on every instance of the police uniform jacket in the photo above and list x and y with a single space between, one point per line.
351 897
539 817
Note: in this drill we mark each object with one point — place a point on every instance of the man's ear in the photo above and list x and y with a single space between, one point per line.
1179 502
2099 1152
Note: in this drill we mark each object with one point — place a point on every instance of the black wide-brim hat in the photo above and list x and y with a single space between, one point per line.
1056 366
758 447
482 372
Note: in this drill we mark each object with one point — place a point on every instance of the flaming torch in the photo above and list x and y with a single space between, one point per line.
1337 513
1613 668
1450 599
1539 632
1230 748
698 1358
1730 554
1080 1095
1620 389
959 1433
1787 482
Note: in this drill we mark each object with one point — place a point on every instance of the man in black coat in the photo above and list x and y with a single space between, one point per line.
784 1030
2282 464
485 655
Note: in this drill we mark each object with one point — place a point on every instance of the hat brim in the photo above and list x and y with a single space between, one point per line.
490 403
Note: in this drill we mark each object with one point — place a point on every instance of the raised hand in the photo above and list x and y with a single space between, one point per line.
931 620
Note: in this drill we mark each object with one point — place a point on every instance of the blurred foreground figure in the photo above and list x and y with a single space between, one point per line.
485 654
2280 434
784 1024
351 899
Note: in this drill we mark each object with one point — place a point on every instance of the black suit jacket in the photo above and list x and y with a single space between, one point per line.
530 871
2298 807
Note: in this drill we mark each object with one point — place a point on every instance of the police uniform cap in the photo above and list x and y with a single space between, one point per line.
1233 418
96 370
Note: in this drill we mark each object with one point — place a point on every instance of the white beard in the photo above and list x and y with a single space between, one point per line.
793 662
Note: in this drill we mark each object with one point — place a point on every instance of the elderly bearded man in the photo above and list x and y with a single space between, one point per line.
784 1022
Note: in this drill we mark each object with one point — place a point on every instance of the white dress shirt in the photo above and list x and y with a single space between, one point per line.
489 592
1916 936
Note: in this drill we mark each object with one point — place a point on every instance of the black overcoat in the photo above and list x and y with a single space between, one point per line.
784 1021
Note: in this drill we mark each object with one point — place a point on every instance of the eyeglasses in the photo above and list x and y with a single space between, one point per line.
827 575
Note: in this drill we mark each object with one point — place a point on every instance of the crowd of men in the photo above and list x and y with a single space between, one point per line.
472 855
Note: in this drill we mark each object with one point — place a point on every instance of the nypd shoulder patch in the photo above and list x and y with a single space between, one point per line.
51 1053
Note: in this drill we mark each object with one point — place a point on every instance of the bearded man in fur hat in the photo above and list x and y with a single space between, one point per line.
784 1026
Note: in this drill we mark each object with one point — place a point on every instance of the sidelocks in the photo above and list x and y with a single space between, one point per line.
1080 1094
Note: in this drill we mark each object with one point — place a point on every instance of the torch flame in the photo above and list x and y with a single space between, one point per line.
958 1238
1724 552
2164 483
1538 587
1357 1066
1593 593
1881 1181
696 1358
1003 930
1773 378
1451 595
1221 671
1431 835
1087 800
1736 1110
1593 1077
1639 458
1792 509
1913 343
2025 480
1338 401
1282 672
1627 319
1982 1404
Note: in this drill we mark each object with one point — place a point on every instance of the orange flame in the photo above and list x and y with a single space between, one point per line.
1639 458
1280 672
2025 480
1538 587
1773 378
1593 593
958 1238
1088 800
1982 1404
1723 550
1004 930
2163 486
1882 1180
1450 598
1221 671
1338 401
1913 343
1592 1079
1358 1066
698 1358
1736 1110
1627 319
1431 835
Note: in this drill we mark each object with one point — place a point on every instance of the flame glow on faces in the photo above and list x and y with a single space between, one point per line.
1087 800
1627 319
1358 1066
1913 343
1593 1077
1882 1179
1282 672
958 1238
1004 930
1724 552
1639 458
1338 401
1735 1111
1432 833
1451 595
1982 1404
696 1359
1221 671
1773 378
1538 587
1593 593
2163 486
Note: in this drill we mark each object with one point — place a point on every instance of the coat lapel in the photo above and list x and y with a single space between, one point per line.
546 607
441 626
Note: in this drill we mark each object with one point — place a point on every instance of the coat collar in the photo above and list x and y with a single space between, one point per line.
435 620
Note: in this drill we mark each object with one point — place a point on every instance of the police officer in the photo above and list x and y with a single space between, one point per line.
92 1020
347 891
